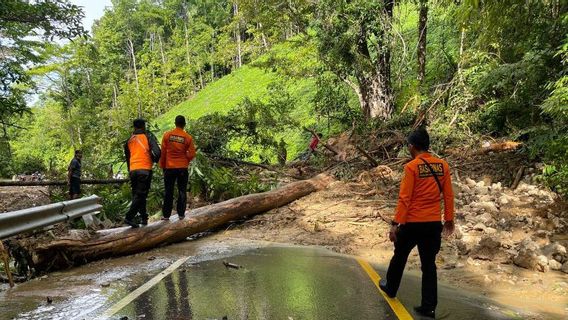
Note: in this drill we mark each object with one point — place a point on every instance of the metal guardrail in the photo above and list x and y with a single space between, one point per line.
15 222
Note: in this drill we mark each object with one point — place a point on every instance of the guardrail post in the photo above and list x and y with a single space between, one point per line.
12 223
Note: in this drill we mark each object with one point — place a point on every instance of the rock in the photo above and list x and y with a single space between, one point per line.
463 247
504 200
559 258
458 233
485 198
506 239
479 227
485 218
489 230
481 189
489 242
542 264
554 265
487 280
543 234
496 188
528 255
489 248
565 267
488 206
554 250
470 182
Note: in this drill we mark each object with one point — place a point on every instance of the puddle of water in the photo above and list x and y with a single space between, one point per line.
81 292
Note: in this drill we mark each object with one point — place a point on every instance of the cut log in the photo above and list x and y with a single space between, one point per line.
495 147
67 252
499 147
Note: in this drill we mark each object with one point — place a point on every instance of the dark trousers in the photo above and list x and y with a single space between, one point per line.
170 178
74 186
140 181
428 237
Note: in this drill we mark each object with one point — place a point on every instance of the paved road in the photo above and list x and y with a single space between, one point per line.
271 282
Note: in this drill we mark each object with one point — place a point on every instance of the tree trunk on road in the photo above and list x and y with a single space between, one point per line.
67 252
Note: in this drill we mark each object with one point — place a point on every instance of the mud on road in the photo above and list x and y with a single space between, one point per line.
353 218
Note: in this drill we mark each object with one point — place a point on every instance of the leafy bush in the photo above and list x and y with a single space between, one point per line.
214 183
29 164
332 102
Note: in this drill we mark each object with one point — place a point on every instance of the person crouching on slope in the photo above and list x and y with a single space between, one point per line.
141 151
418 220
178 150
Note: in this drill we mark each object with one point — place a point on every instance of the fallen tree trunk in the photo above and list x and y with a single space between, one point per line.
495 147
67 252
59 183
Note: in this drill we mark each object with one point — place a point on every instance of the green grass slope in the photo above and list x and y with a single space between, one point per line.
221 95
249 81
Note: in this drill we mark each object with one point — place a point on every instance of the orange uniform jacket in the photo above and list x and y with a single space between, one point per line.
419 198
138 152
177 149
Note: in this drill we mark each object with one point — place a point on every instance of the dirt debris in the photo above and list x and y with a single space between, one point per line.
17 198
507 241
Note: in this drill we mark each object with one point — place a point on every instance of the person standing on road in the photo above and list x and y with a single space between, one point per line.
74 175
178 150
418 220
141 151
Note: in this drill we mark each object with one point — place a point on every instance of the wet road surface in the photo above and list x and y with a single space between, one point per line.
271 282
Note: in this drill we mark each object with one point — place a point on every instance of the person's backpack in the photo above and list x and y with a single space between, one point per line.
155 152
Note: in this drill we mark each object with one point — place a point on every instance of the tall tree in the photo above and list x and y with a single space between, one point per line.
25 27
354 43
422 36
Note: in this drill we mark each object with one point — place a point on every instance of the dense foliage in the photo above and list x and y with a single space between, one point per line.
486 68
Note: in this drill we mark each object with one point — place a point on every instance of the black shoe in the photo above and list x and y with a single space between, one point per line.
385 288
181 217
425 312
131 223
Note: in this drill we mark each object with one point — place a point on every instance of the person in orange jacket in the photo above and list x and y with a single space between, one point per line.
141 151
418 220
178 150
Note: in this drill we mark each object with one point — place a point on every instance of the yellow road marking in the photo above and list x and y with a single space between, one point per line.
395 304
140 290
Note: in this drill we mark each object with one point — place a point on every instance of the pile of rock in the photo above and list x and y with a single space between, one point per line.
502 225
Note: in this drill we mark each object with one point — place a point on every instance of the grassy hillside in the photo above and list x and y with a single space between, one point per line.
221 95
252 82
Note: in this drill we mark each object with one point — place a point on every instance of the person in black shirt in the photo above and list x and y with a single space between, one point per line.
74 175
